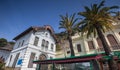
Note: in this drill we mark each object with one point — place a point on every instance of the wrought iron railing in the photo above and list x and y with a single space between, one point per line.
100 49
115 47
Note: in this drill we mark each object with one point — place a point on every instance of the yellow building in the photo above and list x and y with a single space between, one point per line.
92 45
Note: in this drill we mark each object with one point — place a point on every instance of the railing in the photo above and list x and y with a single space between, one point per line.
115 47
100 49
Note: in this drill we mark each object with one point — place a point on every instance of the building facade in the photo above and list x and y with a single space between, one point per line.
93 45
35 43
84 46
5 52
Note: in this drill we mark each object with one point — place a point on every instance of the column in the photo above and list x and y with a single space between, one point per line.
95 44
85 45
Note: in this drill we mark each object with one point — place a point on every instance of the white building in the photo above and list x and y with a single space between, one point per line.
5 52
33 44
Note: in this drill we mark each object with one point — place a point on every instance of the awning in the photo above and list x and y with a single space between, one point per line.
75 59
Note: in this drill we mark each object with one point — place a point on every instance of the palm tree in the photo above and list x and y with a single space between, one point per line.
62 42
98 19
67 23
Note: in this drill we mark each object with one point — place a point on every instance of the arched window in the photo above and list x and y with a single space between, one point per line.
42 57
112 41
32 56
52 47
91 45
36 41
100 44
43 43
47 43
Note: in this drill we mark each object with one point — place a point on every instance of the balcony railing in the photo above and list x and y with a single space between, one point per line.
115 47
100 49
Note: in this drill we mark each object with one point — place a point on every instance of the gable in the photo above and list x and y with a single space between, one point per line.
45 34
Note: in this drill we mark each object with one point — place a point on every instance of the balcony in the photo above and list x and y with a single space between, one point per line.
115 47
100 49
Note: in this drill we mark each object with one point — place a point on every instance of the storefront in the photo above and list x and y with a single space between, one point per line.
86 62
71 63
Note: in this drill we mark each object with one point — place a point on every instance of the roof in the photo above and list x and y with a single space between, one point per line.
8 47
35 28
75 59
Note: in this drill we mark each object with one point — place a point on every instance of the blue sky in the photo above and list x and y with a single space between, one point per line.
18 15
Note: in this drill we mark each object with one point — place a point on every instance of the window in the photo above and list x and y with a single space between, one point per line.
43 66
19 44
68 52
15 60
90 44
79 47
22 43
52 47
36 41
112 40
99 43
47 43
51 57
32 56
43 42
42 57
10 60
46 34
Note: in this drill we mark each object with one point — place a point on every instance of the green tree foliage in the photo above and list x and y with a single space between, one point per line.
98 19
3 42
60 38
11 42
68 24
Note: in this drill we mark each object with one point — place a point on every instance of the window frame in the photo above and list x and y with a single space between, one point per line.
79 49
36 40
91 45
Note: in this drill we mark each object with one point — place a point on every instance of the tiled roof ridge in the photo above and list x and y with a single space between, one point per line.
35 28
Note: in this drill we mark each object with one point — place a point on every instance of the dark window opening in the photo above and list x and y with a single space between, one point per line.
79 47
90 44
43 42
32 56
22 43
36 41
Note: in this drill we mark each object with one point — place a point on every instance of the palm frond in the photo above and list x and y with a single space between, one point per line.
101 4
114 7
96 14
68 22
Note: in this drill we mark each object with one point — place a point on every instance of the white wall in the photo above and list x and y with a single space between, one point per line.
21 56
5 54
25 38
28 48
42 35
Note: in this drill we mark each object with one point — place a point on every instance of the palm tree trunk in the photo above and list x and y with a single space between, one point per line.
71 45
111 62
103 40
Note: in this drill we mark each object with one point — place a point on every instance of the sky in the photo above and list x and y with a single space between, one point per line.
18 15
